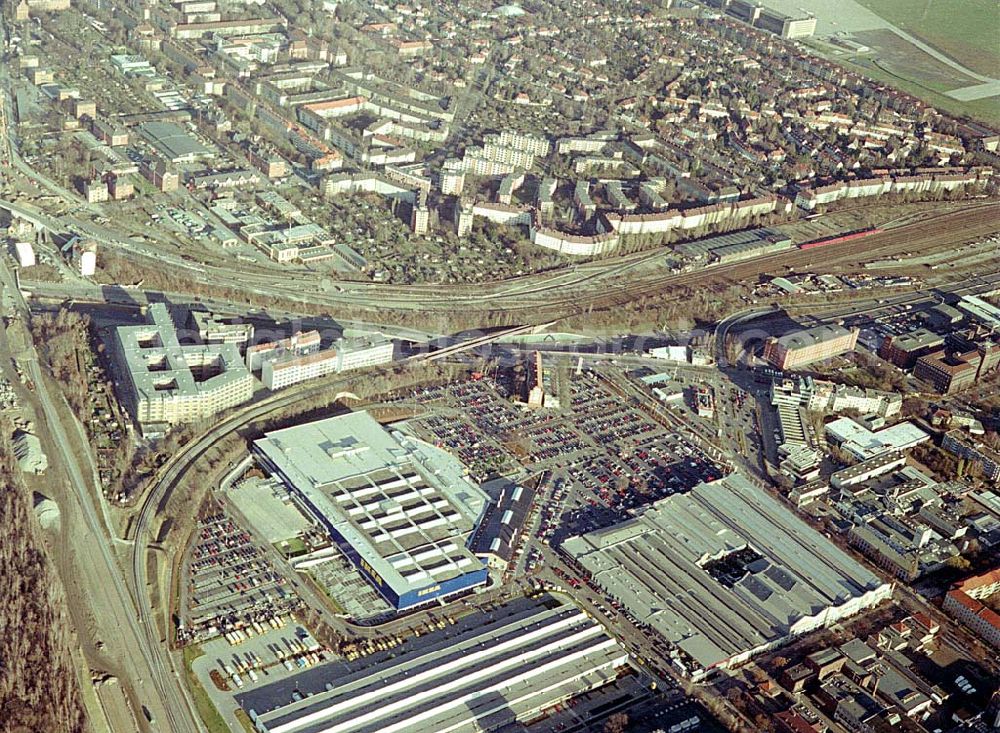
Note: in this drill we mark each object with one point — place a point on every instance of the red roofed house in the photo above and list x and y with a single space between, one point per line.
790 721
964 602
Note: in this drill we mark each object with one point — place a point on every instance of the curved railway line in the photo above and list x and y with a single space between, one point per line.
929 233
608 269
932 233
614 262
599 284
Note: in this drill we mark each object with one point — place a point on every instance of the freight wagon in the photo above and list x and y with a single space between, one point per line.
840 238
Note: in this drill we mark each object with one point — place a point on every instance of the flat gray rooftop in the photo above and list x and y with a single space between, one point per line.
722 570
404 506
921 338
812 336
487 674
748 238
160 366
173 141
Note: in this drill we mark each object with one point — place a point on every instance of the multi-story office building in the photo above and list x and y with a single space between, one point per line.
891 544
213 329
298 344
822 396
800 348
358 353
95 191
950 372
166 384
903 350
830 397
784 25
120 187
83 255
288 369
284 368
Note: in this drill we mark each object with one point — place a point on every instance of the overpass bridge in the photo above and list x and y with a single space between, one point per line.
471 341
34 216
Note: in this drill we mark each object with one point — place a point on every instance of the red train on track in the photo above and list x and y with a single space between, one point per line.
840 238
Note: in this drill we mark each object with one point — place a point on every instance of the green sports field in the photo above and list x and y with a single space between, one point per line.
966 30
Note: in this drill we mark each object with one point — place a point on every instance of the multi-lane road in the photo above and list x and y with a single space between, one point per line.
159 660
139 631
111 609
141 628
112 606
87 293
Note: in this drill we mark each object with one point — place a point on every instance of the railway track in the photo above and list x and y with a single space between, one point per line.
614 281
566 292
392 295
951 229
606 269
931 233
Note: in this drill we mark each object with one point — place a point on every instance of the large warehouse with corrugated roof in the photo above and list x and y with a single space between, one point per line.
485 674
724 572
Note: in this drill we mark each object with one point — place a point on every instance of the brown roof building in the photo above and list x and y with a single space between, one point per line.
951 372
903 350
964 602
811 345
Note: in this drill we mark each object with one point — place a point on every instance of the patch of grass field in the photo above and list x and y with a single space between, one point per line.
899 56
966 30
985 110
292 547
203 703
245 721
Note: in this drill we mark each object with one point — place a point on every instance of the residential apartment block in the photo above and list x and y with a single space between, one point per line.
965 603
965 447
